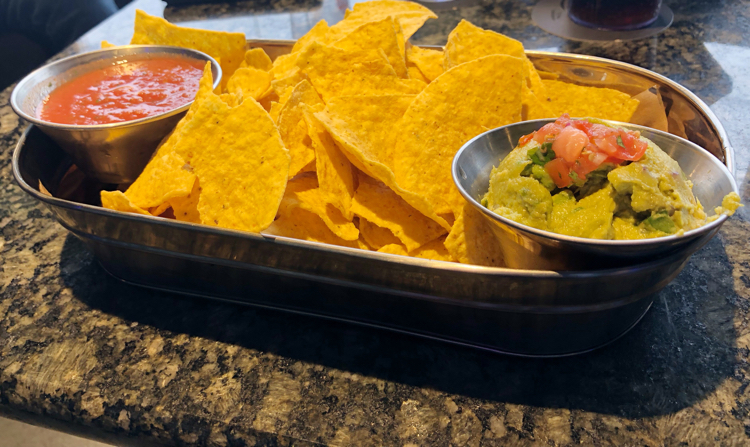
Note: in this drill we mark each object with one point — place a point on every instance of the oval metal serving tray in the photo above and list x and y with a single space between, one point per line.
521 312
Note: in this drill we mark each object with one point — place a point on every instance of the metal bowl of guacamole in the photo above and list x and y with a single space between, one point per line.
626 194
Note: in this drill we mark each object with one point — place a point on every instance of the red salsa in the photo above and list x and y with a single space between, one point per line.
124 92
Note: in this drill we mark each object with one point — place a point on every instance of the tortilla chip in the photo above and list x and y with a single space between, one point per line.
185 209
336 72
302 224
227 48
293 128
275 111
414 73
457 106
579 101
410 15
316 34
237 155
335 172
372 119
354 135
249 83
105 44
164 177
380 205
284 66
231 99
471 241
429 62
257 58
303 192
468 42
394 249
374 35
434 250
118 201
376 236
534 108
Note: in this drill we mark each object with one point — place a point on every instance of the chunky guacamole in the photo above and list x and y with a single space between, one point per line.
588 179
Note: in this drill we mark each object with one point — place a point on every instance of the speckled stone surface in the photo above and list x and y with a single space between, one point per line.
84 353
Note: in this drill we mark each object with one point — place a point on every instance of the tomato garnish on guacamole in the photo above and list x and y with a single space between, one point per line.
124 92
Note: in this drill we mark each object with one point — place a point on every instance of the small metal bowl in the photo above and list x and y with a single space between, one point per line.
529 248
110 153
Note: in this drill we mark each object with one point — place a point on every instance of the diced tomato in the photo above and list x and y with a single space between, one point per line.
585 126
564 120
569 143
547 132
525 139
589 160
634 146
559 171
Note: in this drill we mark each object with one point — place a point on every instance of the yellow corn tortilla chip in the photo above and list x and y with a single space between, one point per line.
429 62
380 205
336 72
535 108
410 15
394 249
316 34
227 48
414 73
284 65
275 111
284 86
159 210
335 172
249 83
596 102
231 99
374 35
457 106
353 135
237 155
106 44
293 128
471 240
164 177
257 58
372 119
376 236
116 200
302 224
185 209
303 192
468 42
434 250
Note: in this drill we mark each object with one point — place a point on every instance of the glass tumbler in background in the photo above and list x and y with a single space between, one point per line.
614 14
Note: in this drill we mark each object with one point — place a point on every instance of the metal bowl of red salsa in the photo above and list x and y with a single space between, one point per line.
110 108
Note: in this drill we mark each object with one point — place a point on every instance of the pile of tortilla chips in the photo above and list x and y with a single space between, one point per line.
348 140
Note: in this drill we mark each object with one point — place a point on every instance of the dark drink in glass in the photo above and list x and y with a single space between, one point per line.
614 14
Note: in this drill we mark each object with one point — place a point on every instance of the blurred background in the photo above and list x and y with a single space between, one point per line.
32 31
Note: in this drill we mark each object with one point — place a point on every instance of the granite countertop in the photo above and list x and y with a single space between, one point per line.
84 353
